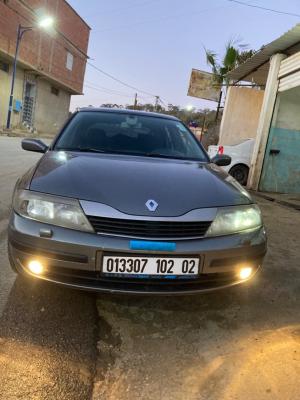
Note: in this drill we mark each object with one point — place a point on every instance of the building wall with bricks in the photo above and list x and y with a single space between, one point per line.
53 62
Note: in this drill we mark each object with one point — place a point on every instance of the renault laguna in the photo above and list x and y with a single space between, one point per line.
128 201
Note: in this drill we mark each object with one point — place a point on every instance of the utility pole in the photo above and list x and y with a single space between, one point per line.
44 23
135 101
219 105
203 126
21 31
156 102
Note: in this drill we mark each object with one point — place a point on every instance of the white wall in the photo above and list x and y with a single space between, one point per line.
241 115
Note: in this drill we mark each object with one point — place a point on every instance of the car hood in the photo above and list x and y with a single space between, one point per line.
126 183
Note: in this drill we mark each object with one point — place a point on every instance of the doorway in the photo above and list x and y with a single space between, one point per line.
29 102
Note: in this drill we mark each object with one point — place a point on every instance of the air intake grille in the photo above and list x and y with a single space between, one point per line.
149 229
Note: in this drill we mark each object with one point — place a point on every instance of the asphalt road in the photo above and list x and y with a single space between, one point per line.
47 334
243 343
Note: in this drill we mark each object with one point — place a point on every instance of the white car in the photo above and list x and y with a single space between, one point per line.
241 154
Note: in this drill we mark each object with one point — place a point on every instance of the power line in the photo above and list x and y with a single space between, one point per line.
103 91
166 17
120 10
118 80
89 83
264 8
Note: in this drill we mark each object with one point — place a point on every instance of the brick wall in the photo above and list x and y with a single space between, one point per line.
47 52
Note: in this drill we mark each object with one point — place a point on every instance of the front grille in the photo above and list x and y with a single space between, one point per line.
149 229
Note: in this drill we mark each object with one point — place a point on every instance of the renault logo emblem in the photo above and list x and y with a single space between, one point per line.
151 205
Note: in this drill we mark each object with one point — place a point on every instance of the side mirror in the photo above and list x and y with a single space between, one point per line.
221 160
34 145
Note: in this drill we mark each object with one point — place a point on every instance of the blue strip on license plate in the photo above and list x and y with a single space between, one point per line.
152 246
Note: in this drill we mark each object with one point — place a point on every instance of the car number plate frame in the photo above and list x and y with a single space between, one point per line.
148 266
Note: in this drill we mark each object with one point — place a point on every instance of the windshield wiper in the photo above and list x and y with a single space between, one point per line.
81 149
120 152
90 150
161 155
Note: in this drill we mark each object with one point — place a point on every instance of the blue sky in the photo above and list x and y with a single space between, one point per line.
154 44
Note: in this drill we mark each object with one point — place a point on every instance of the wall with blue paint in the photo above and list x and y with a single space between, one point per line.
281 172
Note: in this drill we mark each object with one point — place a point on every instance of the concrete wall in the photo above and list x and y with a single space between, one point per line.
51 111
281 172
287 115
241 115
5 84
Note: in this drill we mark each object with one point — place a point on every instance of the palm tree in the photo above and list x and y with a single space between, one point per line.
235 54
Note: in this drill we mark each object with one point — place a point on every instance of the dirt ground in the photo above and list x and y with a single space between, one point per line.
242 343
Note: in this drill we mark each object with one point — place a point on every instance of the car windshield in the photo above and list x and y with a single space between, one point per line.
125 133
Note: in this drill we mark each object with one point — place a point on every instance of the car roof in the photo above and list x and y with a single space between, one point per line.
126 111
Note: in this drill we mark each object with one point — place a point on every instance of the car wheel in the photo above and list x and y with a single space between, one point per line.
240 173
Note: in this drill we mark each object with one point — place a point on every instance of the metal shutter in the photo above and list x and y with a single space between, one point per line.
289 73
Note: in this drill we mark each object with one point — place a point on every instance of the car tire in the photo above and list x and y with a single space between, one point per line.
240 172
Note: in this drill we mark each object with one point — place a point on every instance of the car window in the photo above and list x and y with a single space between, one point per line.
129 134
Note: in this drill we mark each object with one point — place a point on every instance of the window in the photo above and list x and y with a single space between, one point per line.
126 133
55 90
4 66
70 60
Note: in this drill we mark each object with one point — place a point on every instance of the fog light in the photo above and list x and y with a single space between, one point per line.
35 267
245 273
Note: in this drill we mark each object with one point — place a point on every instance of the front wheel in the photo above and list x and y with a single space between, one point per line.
240 173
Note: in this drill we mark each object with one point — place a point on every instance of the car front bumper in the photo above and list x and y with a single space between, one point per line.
74 259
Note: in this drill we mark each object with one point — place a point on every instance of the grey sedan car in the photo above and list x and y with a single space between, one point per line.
127 201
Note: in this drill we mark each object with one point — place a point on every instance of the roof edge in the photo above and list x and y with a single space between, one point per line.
73 9
280 45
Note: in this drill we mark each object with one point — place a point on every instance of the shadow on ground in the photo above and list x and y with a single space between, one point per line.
47 342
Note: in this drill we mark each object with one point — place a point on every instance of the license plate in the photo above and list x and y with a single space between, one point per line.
160 266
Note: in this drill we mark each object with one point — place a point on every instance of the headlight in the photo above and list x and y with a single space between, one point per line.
230 220
50 209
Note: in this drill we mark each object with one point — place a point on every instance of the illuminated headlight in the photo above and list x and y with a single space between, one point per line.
52 210
230 220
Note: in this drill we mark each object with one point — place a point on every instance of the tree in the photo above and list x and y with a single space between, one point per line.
235 54
244 56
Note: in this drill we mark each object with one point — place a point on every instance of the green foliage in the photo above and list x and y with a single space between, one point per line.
235 54
196 116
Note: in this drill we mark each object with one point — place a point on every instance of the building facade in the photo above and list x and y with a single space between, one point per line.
51 64
275 165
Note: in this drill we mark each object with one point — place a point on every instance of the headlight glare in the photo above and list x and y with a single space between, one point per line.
52 210
230 220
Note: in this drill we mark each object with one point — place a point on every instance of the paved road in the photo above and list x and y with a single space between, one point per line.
47 334
13 163
241 344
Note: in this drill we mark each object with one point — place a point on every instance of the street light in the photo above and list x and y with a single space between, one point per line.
44 23
189 107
